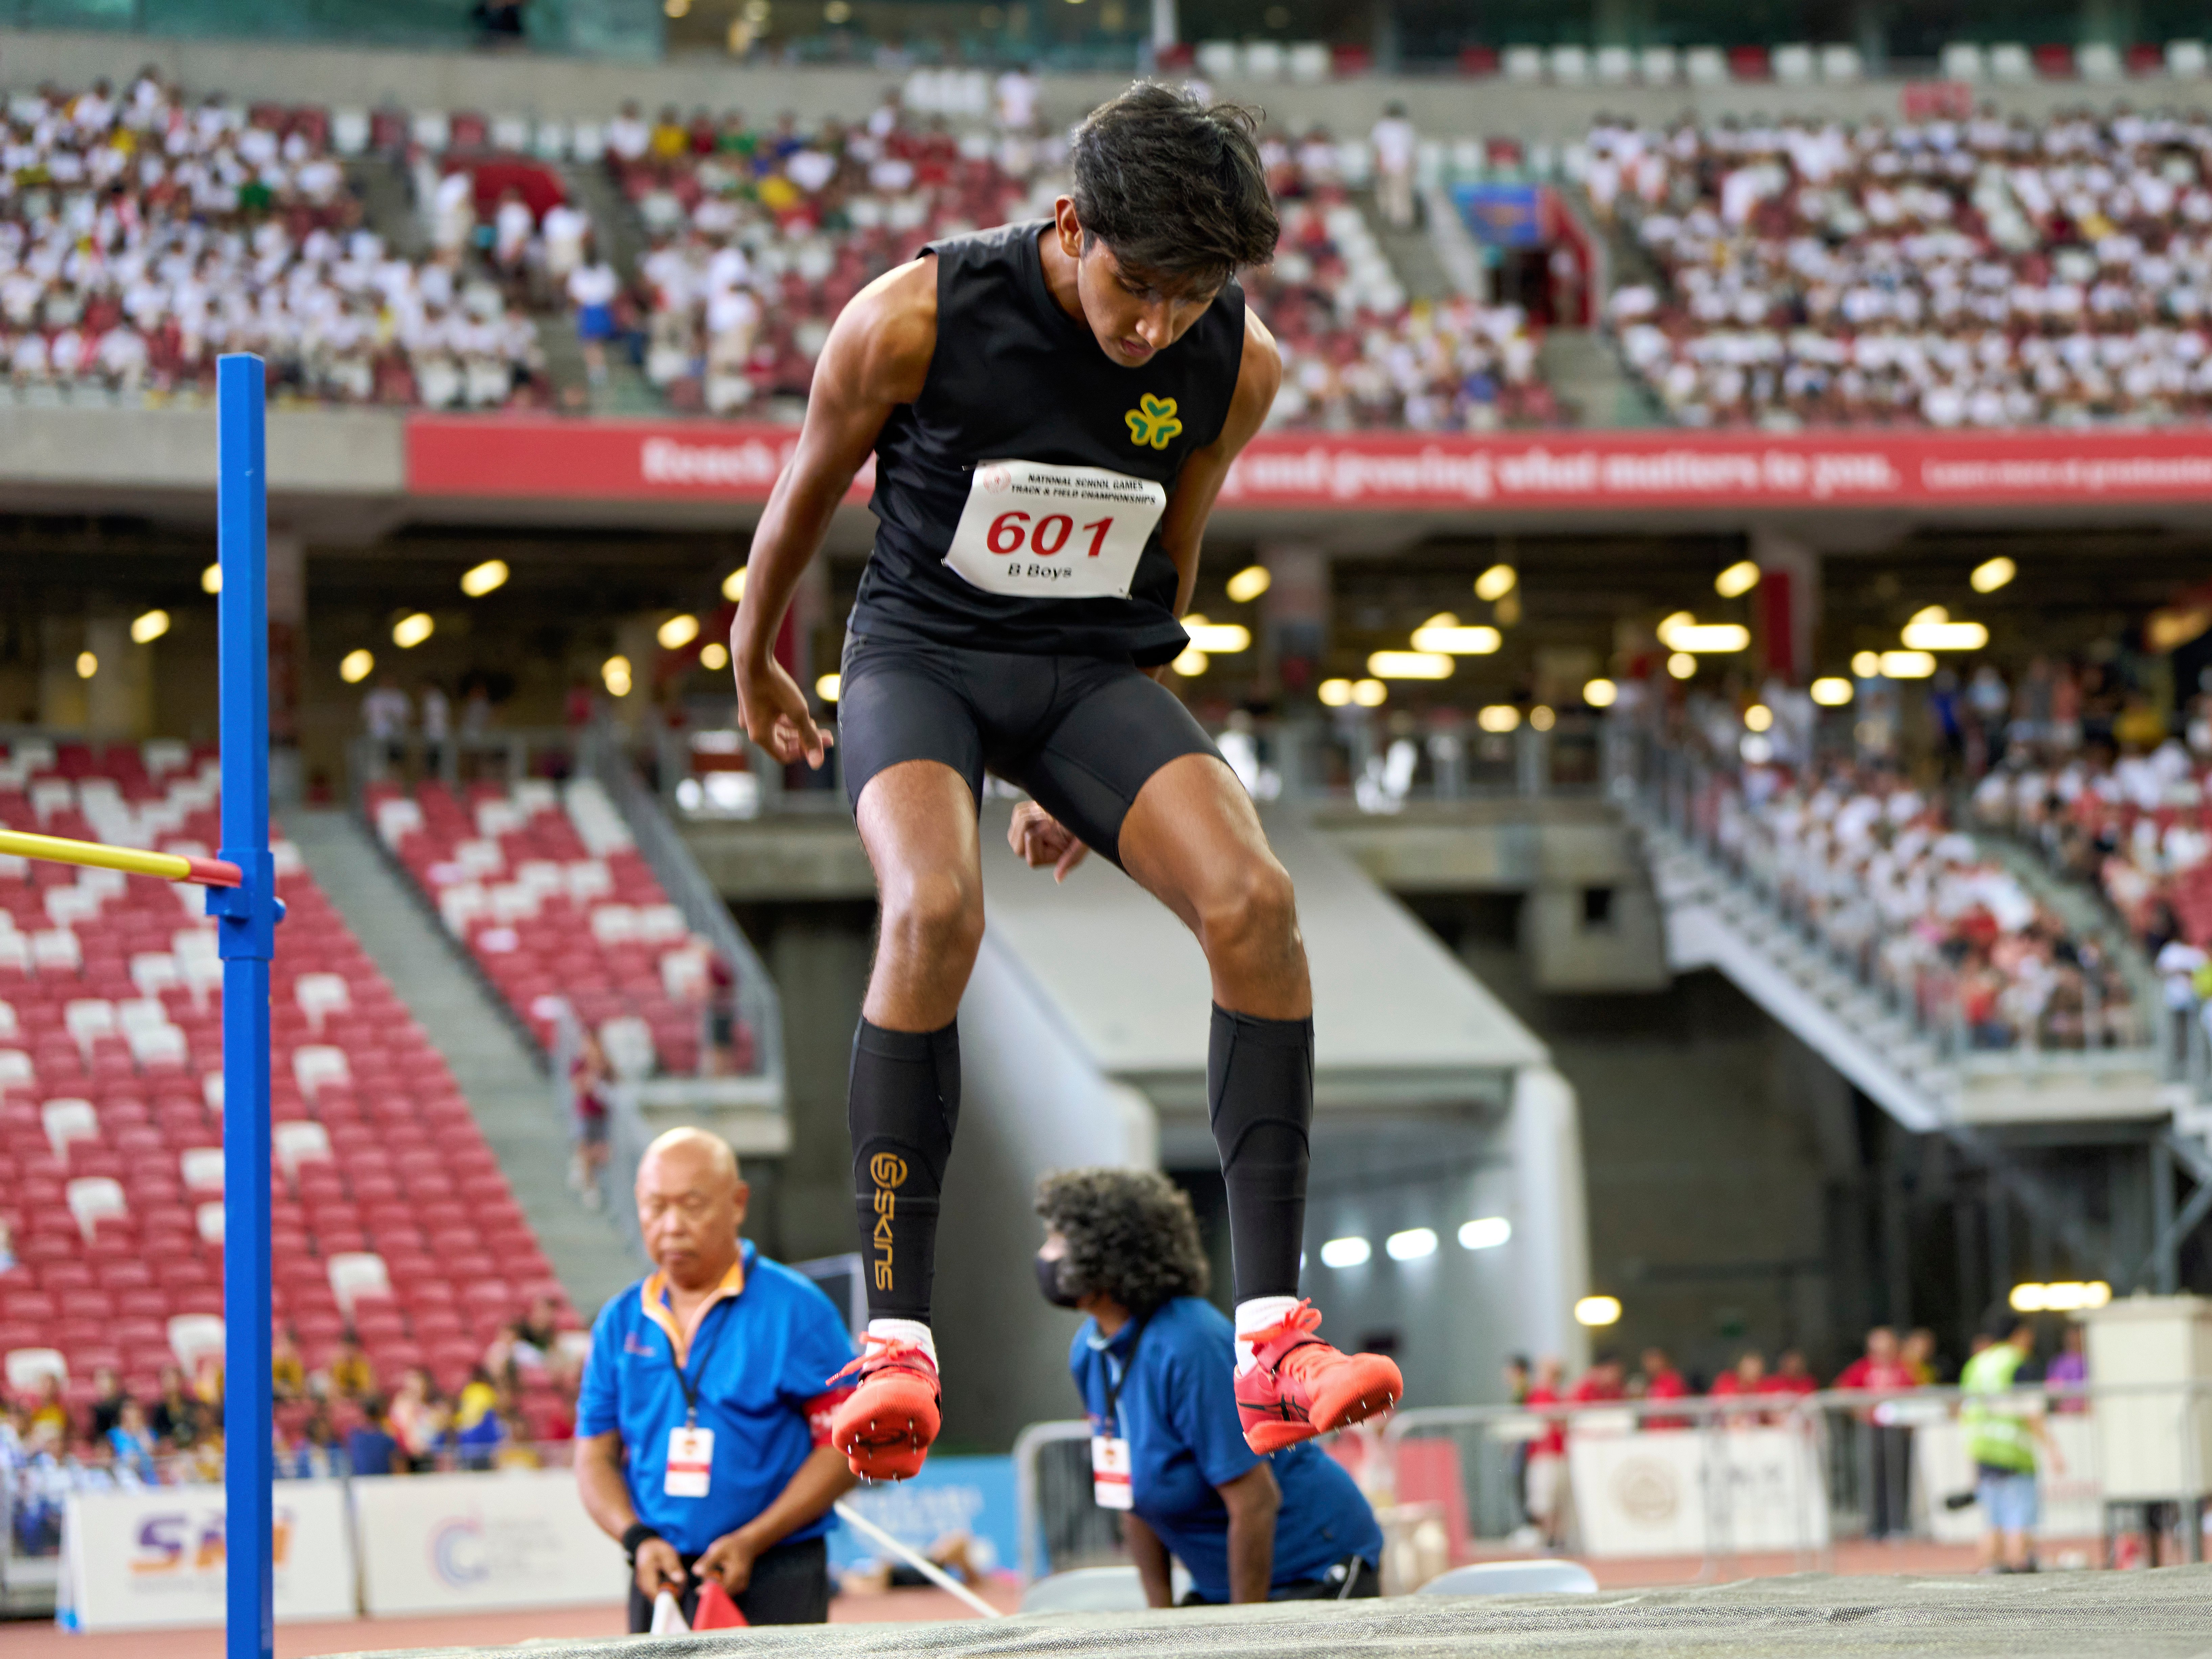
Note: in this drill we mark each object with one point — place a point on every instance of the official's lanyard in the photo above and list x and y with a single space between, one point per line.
697 1355
1114 1384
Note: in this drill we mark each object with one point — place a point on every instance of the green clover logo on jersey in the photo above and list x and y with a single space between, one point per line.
1153 421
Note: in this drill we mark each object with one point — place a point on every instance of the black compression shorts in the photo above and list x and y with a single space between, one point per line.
1081 734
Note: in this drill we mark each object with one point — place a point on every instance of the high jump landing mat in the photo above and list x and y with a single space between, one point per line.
2165 1614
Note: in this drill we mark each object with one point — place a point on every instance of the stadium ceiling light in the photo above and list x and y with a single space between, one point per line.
1928 613
1495 583
1411 1244
87 664
1758 718
211 579
1346 1253
1370 694
481 579
715 654
1442 633
1682 665
1498 717
1832 691
678 632
1945 636
1334 693
1217 639
150 627
356 666
1600 693
1738 580
410 631
1250 583
1907 664
733 584
828 686
1485 1233
1541 719
1707 639
1410 666
614 673
1598 1310
675 9
1668 624
1191 663
2067 1296
1866 664
1992 573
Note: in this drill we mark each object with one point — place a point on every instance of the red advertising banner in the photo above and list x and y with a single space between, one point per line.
514 458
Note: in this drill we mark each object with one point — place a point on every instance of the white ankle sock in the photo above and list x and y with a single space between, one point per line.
906 1330
1257 1315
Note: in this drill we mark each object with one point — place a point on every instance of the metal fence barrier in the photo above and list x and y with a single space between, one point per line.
1778 1481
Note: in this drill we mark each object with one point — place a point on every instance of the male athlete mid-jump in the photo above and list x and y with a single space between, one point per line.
1052 407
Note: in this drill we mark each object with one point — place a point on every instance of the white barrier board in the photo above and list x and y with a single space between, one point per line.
1680 1492
155 1557
2073 1505
445 1543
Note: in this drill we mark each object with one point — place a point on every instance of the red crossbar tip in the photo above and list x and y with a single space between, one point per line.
213 873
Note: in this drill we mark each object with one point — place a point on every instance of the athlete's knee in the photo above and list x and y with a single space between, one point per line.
1250 909
934 915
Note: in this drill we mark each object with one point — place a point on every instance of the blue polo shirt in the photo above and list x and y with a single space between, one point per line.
1178 1412
763 1356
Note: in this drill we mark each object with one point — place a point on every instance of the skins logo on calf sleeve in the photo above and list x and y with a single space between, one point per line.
888 1172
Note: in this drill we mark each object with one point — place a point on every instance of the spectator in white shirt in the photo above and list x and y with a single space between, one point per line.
1395 148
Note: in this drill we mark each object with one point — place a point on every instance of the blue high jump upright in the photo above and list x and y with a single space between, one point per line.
245 927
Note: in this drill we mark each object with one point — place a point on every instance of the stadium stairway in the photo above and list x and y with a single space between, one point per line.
1586 373
1412 253
621 240
1715 921
490 1059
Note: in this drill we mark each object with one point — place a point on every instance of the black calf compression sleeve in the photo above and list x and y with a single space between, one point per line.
903 1107
1259 1093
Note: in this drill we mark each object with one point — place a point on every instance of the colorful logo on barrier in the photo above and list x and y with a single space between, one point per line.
192 1542
888 1172
458 1554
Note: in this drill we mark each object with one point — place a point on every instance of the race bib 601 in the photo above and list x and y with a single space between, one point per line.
1040 532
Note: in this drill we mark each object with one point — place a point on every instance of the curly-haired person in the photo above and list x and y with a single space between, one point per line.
1152 1363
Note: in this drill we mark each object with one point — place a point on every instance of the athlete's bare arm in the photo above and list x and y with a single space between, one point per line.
1040 838
876 358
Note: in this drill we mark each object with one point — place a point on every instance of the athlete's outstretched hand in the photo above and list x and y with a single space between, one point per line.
776 716
1043 839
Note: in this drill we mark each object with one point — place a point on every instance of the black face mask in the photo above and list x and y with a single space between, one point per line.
1052 1282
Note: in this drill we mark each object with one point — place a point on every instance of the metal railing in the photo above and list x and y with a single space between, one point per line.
1721 1480
1370 758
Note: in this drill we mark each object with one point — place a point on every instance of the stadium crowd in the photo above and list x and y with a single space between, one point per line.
755 240
340 1418
1880 869
142 235
1984 272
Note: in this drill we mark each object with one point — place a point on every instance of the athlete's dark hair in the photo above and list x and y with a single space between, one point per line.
1130 1235
1174 186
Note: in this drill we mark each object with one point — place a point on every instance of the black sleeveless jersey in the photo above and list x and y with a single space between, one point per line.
1027 446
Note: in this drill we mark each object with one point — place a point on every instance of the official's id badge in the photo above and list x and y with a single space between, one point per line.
690 1462
1109 1472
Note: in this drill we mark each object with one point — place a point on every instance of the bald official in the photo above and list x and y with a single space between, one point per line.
704 1448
